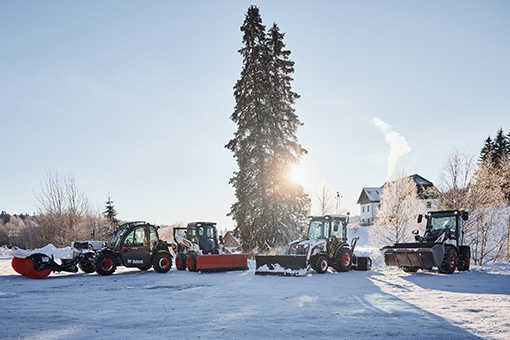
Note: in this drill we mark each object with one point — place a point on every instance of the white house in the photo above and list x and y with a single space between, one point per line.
370 199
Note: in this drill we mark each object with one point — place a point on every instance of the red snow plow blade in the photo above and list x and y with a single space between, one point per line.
224 262
27 267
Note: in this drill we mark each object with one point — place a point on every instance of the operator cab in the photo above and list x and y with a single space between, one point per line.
204 234
135 242
326 227
444 221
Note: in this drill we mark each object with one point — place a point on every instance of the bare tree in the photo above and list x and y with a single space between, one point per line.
64 213
487 228
325 200
398 212
456 177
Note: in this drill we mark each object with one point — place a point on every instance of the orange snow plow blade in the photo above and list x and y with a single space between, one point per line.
26 267
223 262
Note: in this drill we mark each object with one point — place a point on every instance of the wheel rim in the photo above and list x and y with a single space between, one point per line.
324 265
452 261
107 264
190 262
178 261
163 263
347 259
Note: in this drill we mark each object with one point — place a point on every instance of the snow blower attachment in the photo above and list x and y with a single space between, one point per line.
199 250
326 245
39 266
442 246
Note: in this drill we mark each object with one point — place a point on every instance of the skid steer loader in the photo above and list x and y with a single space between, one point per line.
441 246
325 245
199 250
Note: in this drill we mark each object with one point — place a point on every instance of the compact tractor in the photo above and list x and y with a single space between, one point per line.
325 245
134 244
442 246
199 250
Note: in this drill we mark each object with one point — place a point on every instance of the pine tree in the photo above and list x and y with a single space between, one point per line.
508 143
269 205
486 150
500 147
496 149
111 215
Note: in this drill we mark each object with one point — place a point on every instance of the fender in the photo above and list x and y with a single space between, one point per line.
341 245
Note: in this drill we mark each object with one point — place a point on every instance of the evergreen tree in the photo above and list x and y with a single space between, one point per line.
486 151
496 149
508 143
269 207
500 147
111 215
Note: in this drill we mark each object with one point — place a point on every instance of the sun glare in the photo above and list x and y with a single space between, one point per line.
297 174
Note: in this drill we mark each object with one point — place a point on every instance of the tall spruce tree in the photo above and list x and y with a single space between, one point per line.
270 207
499 147
111 215
486 151
496 148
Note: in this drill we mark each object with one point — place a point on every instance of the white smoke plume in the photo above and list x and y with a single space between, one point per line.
397 142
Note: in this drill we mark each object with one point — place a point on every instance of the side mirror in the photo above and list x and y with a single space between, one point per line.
420 218
464 215
415 232
335 228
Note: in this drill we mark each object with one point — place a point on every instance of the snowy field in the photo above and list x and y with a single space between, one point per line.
384 303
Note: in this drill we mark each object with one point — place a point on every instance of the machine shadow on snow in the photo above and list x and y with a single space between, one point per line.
465 282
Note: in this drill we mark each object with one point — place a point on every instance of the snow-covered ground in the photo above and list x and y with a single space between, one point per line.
384 303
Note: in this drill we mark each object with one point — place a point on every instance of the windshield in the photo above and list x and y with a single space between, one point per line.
319 229
117 236
441 223
207 239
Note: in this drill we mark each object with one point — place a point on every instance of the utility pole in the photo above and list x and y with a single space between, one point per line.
338 198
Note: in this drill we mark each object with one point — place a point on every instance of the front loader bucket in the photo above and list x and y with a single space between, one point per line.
224 262
283 265
28 267
416 255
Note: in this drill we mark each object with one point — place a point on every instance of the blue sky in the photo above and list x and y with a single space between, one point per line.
133 98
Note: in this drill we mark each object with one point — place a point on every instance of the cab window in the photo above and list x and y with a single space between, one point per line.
153 237
319 229
340 226
136 238
191 235
440 223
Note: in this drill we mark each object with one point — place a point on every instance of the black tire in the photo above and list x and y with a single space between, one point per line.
410 269
449 261
162 262
86 263
464 258
180 261
321 264
144 269
343 260
192 262
104 264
